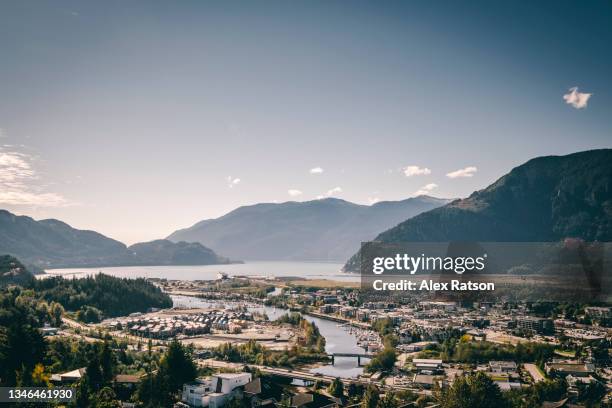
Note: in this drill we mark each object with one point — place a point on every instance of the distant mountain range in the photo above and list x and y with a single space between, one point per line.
320 230
55 244
546 199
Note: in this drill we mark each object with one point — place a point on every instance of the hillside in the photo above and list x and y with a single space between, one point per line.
53 243
164 252
323 230
546 199
12 271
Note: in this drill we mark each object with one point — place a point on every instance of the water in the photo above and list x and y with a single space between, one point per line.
309 270
337 339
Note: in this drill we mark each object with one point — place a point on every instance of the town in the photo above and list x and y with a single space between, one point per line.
262 341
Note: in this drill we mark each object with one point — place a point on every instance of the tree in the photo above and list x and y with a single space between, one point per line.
106 398
176 368
354 390
592 393
382 361
336 388
178 365
39 377
370 397
389 401
57 311
107 363
472 391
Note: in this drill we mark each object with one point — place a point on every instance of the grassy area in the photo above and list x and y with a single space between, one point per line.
565 353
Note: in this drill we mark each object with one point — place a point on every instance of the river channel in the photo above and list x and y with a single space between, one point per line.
338 339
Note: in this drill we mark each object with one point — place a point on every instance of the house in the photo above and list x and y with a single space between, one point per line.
68 377
313 400
215 391
263 392
194 392
127 380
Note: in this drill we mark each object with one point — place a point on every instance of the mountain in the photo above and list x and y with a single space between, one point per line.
12 271
164 252
546 199
324 230
52 243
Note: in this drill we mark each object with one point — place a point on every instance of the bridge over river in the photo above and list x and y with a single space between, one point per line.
359 356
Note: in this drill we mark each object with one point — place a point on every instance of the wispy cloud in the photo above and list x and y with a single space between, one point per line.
330 193
578 100
373 200
232 181
316 170
294 192
426 189
20 184
410 171
464 172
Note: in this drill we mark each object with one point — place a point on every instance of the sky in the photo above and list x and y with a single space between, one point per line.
138 118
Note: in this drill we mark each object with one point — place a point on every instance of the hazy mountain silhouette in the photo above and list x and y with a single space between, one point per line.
53 243
326 230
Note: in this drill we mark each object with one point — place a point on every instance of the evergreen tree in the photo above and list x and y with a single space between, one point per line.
370 397
472 391
336 388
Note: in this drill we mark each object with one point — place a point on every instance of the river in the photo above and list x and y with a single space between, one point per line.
337 339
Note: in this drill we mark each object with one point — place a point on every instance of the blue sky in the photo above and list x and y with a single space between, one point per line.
137 118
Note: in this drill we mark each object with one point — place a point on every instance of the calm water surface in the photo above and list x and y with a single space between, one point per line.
337 339
309 270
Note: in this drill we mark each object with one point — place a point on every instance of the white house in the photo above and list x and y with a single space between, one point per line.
213 392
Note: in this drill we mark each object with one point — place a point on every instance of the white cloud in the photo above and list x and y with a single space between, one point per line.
464 172
316 170
577 99
334 191
410 171
373 200
32 199
294 192
20 184
426 189
232 181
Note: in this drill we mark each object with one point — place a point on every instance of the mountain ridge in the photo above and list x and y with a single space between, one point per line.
547 198
328 229
52 243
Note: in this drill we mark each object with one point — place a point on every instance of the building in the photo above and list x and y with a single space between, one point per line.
215 391
598 312
566 367
48 330
427 364
502 366
68 377
425 381
263 393
535 324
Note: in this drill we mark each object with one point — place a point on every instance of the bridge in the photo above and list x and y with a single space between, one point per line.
358 355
